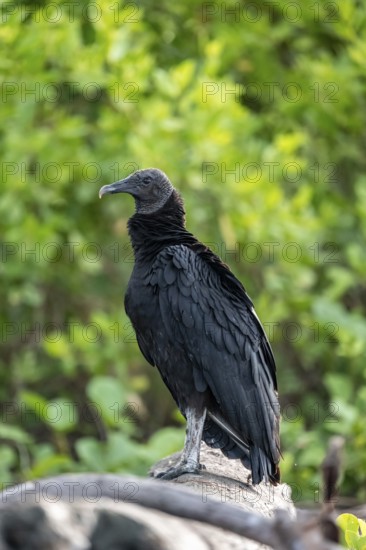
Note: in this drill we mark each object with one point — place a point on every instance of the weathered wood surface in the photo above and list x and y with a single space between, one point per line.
106 511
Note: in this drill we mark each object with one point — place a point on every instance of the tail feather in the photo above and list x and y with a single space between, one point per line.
263 467
219 435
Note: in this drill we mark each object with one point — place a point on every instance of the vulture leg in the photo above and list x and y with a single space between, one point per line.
190 460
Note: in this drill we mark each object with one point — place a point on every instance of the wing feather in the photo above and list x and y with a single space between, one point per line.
225 342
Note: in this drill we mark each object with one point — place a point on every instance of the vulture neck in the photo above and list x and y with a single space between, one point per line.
150 233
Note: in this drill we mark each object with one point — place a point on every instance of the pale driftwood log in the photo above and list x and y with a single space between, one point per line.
213 510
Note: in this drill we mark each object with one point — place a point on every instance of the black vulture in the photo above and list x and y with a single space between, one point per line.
195 322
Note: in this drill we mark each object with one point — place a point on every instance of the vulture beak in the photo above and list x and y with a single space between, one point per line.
122 186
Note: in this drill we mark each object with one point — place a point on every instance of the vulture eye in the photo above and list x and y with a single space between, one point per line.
146 181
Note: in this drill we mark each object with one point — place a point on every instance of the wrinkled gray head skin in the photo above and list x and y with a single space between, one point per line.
150 188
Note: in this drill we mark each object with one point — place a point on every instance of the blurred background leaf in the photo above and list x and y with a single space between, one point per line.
258 117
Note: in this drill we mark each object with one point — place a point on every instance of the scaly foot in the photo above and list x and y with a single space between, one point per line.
179 470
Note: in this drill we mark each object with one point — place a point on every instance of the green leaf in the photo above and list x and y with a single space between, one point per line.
362 526
348 522
61 415
350 527
90 453
50 465
108 396
166 441
14 433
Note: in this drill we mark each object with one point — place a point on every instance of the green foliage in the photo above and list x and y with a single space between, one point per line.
273 177
353 531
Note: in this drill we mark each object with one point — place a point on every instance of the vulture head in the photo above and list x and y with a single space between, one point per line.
150 188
